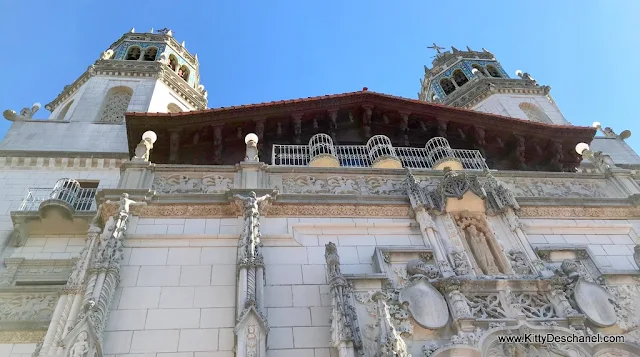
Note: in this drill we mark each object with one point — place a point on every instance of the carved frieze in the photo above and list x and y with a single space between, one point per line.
360 185
185 184
34 307
583 212
29 336
561 187
486 306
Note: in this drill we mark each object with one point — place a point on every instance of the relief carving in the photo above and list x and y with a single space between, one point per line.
184 184
483 244
557 188
518 262
35 307
348 185
426 304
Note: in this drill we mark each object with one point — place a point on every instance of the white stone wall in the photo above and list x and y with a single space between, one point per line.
17 350
509 105
15 184
162 96
177 293
72 136
610 242
620 151
89 99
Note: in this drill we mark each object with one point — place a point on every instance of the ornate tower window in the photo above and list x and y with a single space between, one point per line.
64 111
459 77
480 69
493 72
184 73
173 62
133 54
447 86
150 53
534 113
116 104
173 108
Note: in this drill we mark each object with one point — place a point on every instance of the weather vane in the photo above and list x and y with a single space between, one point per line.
436 47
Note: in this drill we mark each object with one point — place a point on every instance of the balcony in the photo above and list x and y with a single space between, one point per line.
66 208
378 152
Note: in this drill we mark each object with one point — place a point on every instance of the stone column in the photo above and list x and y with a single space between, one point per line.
428 230
345 332
251 328
516 226
80 315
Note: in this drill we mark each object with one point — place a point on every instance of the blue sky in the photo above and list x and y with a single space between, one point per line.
255 51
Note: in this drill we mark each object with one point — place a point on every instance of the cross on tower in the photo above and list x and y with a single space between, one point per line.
436 47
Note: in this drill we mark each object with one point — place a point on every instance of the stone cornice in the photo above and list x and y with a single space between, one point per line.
144 69
76 161
480 88
564 212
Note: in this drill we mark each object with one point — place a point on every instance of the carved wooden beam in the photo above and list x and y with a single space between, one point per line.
366 121
520 153
404 126
174 145
333 125
217 143
442 128
297 127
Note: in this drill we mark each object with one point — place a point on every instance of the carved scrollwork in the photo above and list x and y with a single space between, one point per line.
33 307
486 306
184 184
558 188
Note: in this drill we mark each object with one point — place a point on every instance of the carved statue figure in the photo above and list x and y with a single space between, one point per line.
251 206
81 347
481 251
333 260
125 203
518 263
418 269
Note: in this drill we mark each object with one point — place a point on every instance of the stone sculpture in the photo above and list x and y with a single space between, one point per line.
426 304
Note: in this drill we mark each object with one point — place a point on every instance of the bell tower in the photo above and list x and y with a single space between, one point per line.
140 72
476 80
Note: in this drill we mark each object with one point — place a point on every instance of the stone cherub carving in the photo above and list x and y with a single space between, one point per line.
518 262
81 347
125 203
251 206
482 251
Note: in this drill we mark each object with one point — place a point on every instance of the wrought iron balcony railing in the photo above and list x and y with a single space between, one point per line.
67 191
435 151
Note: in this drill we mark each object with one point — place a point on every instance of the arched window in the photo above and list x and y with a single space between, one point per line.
480 69
534 113
116 104
459 77
133 54
64 111
493 72
173 62
150 53
173 108
184 73
447 86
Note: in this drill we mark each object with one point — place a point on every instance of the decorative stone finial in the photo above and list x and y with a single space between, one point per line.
133 30
143 150
25 113
252 148
184 44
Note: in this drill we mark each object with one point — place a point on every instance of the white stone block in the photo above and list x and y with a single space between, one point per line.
575 239
215 296
5 349
172 354
218 317
139 298
284 255
554 239
278 296
297 352
621 239
218 255
198 340
148 256
212 226
289 316
315 255
194 226
323 352
536 238
320 316
184 256
599 239
306 295
348 255
314 274
393 240
23 348
280 338
597 250
365 254
155 341
166 319
617 250
216 354
354 240
223 275
126 320
310 337
195 275
226 339
620 263
177 297
117 342
159 276
284 274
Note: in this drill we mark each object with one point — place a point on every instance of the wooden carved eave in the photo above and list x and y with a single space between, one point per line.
508 143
